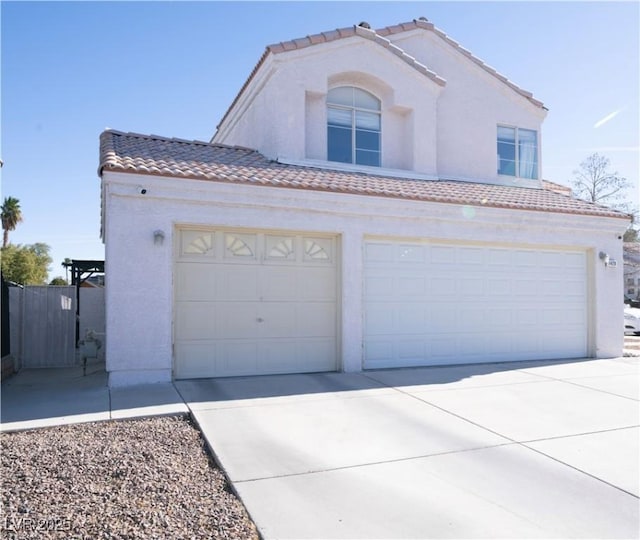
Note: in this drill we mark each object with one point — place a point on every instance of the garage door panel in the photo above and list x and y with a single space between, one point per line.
526 261
444 286
379 319
378 286
383 253
411 254
480 304
316 319
470 256
499 259
237 320
278 283
443 318
553 288
237 282
441 255
316 351
412 318
276 319
416 286
525 288
237 357
412 350
317 283
195 282
202 357
196 320
499 287
469 287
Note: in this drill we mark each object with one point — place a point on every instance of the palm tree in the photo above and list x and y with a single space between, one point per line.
66 264
11 216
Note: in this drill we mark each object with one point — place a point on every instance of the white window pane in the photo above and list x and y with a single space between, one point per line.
339 117
528 136
365 120
506 134
529 170
341 96
507 167
339 144
365 157
365 100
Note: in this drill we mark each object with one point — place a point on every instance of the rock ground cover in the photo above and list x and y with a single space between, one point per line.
150 478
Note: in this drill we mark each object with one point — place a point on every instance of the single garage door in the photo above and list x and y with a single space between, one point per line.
252 302
428 303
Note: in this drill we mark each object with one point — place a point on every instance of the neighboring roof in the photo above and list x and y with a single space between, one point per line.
379 37
176 158
558 188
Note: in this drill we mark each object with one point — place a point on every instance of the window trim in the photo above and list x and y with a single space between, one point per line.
353 109
517 152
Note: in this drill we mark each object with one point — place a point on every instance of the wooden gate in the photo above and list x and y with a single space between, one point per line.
49 319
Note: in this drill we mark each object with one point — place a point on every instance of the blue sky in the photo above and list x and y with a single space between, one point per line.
72 69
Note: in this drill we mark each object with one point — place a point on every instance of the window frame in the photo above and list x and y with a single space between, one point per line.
354 110
517 160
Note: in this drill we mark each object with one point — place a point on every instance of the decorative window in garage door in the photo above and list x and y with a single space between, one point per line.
317 249
198 243
240 245
256 248
280 247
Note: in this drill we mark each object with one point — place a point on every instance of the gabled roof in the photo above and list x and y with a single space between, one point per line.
424 24
176 158
379 37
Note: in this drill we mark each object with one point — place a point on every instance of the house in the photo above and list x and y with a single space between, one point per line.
631 258
370 199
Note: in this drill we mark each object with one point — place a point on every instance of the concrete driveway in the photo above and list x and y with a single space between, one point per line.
538 449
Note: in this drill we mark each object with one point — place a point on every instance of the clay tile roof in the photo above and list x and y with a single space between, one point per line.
177 158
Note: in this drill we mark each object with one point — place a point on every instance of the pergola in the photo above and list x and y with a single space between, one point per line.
81 271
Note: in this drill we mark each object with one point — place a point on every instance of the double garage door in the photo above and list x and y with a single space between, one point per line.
251 302
257 302
432 304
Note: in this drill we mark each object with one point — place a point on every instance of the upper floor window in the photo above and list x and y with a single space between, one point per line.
517 152
353 126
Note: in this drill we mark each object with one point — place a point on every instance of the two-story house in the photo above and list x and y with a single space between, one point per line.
370 199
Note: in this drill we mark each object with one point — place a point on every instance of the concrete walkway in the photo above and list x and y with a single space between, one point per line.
534 450
523 450
36 398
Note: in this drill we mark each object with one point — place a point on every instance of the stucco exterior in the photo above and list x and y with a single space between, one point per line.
139 289
440 109
445 130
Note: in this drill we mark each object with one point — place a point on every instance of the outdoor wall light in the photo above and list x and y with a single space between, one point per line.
158 237
608 261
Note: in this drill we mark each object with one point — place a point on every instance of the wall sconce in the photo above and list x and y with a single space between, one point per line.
158 237
608 261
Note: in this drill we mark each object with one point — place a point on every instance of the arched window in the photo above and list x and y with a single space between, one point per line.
353 126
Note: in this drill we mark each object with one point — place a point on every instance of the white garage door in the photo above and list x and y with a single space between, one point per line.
252 303
433 304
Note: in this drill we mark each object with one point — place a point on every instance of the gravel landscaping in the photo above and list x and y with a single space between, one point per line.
150 478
